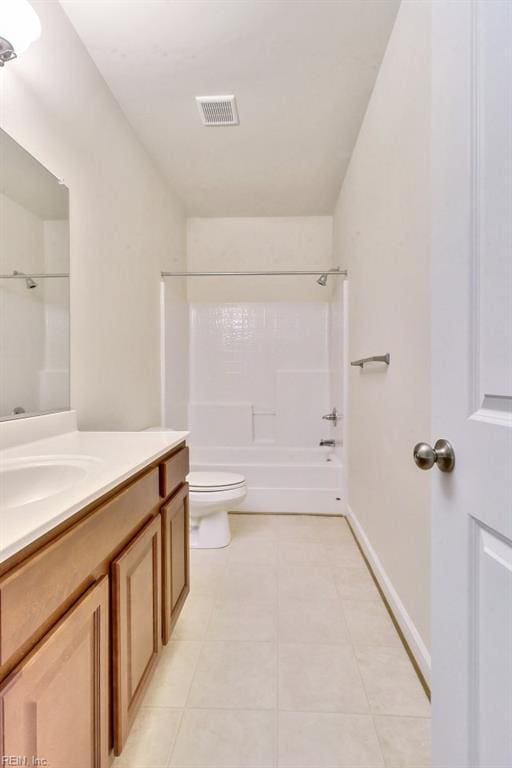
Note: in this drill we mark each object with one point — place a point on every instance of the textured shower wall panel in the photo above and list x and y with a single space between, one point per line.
336 365
176 356
297 335
54 376
53 389
239 355
22 322
221 423
229 355
56 297
302 400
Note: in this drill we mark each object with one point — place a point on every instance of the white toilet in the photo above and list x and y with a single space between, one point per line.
212 496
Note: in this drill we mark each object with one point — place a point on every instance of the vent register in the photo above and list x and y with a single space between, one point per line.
218 110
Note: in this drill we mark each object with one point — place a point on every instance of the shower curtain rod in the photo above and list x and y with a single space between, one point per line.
268 273
39 275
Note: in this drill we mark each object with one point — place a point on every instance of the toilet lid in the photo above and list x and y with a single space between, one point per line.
214 481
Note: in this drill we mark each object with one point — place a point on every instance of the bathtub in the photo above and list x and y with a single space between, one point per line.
279 479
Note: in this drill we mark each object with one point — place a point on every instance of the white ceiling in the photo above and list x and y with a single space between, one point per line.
302 72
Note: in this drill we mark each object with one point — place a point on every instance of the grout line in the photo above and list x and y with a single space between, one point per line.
175 740
336 516
301 710
379 741
356 660
194 674
387 716
398 629
202 643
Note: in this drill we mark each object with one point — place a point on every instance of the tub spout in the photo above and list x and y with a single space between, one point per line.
327 443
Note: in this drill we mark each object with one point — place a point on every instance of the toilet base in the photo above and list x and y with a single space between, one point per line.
210 532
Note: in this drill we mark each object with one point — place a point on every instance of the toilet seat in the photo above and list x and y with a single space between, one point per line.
214 482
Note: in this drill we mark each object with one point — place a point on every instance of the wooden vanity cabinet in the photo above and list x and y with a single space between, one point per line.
173 472
176 570
137 623
84 612
37 592
55 704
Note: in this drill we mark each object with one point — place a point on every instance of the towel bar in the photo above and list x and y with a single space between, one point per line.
373 359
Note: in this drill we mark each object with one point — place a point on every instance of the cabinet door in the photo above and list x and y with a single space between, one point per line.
136 623
175 521
55 703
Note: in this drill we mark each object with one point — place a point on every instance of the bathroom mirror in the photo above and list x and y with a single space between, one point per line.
34 286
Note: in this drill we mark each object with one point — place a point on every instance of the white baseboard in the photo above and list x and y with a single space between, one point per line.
406 624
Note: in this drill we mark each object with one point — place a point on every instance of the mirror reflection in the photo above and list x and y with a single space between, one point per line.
34 286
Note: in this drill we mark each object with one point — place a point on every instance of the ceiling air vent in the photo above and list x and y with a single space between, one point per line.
218 110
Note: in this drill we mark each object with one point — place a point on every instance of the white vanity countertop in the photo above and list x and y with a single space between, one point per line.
115 457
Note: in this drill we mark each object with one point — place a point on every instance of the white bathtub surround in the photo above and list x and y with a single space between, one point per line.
229 424
264 366
302 397
260 383
337 349
34 337
279 479
54 379
95 462
175 342
21 310
262 352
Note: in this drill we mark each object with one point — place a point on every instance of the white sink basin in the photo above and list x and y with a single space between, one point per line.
25 481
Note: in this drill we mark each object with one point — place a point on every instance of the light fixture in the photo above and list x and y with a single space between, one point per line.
19 27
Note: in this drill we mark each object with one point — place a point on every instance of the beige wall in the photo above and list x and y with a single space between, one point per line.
258 243
382 236
125 225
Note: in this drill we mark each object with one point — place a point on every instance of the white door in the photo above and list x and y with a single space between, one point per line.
472 380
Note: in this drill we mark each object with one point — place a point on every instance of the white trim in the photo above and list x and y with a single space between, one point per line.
163 414
406 624
346 369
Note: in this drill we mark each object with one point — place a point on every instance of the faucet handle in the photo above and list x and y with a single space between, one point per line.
332 416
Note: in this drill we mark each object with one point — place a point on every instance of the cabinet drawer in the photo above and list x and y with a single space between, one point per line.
35 594
173 472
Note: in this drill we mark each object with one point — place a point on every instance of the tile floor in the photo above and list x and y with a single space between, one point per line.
284 657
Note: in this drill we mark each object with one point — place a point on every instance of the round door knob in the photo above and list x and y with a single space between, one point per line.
441 454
